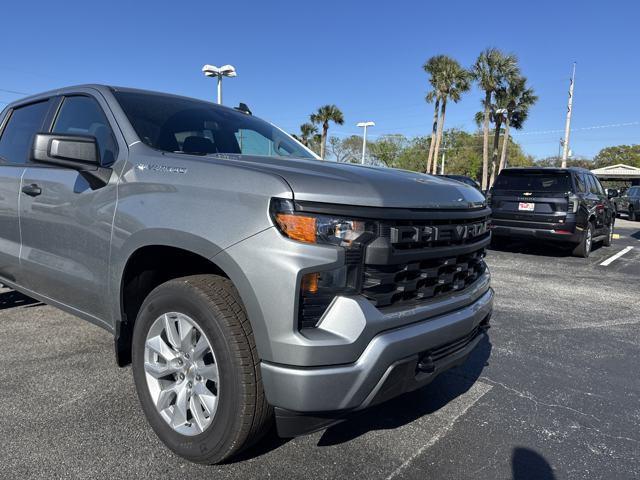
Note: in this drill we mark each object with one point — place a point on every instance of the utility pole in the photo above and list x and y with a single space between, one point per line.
442 165
364 138
567 128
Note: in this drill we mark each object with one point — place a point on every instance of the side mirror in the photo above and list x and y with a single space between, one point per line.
71 151
612 193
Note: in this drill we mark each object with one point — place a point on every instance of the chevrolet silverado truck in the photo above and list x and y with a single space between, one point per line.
245 280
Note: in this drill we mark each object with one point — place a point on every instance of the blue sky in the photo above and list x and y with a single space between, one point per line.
365 57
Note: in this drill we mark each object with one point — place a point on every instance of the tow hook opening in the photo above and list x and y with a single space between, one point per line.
426 364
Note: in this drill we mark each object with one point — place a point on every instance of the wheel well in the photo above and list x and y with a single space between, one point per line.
147 268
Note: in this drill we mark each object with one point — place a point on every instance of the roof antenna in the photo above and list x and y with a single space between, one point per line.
242 107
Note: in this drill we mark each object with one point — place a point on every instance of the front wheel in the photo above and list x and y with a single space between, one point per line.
196 369
583 249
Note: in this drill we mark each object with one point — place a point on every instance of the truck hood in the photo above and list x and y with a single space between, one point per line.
342 183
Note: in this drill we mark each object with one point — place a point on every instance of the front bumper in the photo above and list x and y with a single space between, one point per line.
395 361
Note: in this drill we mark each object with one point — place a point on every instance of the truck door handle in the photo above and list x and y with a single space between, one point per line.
32 190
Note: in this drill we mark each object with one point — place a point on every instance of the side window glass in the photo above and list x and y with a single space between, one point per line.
592 184
580 184
598 186
83 116
252 142
17 137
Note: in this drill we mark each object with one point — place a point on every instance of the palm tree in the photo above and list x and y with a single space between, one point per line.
433 67
451 82
307 131
519 98
491 69
324 115
431 96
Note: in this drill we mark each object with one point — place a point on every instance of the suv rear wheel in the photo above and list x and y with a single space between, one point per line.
609 238
196 369
633 215
583 249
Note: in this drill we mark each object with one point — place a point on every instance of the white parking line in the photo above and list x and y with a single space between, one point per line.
613 258
448 415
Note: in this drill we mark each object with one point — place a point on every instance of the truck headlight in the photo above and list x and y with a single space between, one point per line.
319 288
314 228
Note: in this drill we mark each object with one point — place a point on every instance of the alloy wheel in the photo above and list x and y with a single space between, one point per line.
182 373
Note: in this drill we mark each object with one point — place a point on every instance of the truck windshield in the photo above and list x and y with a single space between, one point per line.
183 125
534 181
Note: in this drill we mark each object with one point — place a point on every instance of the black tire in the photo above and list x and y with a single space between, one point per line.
609 238
243 414
633 215
583 249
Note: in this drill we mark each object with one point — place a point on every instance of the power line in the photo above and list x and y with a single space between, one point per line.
13 91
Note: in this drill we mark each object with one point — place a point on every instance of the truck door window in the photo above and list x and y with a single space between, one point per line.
17 137
80 115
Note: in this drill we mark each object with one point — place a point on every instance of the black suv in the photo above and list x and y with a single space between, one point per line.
464 179
629 203
566 205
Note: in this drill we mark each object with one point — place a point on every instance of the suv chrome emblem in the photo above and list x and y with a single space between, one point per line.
528 194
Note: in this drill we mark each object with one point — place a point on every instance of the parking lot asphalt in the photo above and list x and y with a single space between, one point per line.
553 393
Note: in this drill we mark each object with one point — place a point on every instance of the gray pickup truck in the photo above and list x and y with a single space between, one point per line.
244 279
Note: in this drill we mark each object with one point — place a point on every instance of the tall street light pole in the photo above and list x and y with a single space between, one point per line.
219 72
567 128
364 138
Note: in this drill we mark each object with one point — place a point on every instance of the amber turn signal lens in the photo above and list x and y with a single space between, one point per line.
310 283
297 227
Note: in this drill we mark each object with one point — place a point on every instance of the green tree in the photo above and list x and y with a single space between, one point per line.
346 150
387 149
324 115
412 155
450 81
627 154
307 131
491 69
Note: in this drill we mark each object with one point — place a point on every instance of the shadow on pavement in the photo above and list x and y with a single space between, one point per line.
12 299
527 464
538 248
411 406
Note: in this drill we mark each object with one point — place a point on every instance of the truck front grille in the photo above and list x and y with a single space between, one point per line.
409 261
415 261
386 285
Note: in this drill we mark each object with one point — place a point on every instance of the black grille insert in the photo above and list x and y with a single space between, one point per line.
386 285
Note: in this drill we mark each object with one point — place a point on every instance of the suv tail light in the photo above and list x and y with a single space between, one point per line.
572 206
